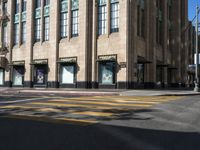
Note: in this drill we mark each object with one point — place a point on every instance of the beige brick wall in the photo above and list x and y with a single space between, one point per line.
87 47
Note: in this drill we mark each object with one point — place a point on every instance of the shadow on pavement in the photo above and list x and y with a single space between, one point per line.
30 135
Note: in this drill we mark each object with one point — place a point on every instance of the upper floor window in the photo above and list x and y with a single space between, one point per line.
141 18
46 28
5 7
159 22
23 5
16 6
5 34
74 17
64 24
46 2
23 32
102 17
38 3
64 19
16 34
37 29
46 20
114 16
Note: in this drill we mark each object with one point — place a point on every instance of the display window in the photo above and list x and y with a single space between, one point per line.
40 74
1 77
67 74
107 73
140 73
18 76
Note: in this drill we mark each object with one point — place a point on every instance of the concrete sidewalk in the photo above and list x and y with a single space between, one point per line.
98 92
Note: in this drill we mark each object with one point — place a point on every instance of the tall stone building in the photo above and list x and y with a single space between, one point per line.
93 43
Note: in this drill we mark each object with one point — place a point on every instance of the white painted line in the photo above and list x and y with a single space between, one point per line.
18 101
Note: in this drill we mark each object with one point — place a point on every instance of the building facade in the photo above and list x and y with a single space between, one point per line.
94 43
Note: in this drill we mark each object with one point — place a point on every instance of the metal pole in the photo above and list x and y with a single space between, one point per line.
196 89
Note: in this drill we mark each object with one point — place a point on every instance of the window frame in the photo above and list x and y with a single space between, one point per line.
37 29
114 17
16 34
64 24
23 32
46 28
102 19
75 23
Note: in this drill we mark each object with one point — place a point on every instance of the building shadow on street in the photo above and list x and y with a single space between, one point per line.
32 135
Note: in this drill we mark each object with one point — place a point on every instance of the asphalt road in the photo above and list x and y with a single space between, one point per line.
168 126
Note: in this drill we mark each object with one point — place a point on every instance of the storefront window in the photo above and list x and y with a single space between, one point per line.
1 76
67 74
40 75
140 73
159 74
107 73
18 75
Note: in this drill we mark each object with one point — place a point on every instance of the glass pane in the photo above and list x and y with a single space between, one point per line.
68 74
40 76
107 73
140 69
1 77
18 76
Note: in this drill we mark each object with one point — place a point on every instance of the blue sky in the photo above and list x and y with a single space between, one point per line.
191 9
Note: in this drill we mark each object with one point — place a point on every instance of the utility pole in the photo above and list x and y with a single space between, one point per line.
196 89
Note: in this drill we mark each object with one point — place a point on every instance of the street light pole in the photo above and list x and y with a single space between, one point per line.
196 89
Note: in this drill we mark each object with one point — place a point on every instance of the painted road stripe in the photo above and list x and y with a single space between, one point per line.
92 113
85 104
107 103
19 101
142 97
125 98
52 120
115 101
96 108
77 121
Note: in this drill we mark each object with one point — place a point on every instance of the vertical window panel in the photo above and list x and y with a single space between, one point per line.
64 25
46 2
5 34
74 23
23 32
16 34
114 17
141 18
16 6
38 4
102 19
37 30
24 5
46 28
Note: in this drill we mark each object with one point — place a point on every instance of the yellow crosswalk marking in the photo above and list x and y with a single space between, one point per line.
54 120
83 104
104 102
83 110
92 113
16 106
78 120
